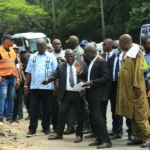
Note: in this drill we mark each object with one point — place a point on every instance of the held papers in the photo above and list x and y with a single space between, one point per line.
78 87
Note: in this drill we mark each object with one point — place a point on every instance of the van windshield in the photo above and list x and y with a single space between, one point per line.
32 44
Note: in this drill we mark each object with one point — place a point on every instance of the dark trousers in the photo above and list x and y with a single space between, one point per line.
27 102
117 120
55 110
71 119
17 100
92 126
105 103
96 111
36 96
71 98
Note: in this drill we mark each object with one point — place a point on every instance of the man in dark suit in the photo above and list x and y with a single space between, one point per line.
114 65
97 92
68 78
107 47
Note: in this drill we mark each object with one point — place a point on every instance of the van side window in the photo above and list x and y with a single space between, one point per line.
18 42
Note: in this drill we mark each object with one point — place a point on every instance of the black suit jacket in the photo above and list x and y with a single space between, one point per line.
103 55
100 79
61 73
111 62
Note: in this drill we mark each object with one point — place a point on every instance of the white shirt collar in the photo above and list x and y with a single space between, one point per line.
94 59
132 52
110 53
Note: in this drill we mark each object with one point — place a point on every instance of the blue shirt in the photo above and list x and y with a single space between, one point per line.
40 67
147 57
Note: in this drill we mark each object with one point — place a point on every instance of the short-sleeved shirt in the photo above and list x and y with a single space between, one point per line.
61 54
16 62
41 66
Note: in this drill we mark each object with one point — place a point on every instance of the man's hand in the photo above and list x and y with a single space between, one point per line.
17 84
60 58
77 66
87 84
137 93
55 91
1 82
26 91
44 81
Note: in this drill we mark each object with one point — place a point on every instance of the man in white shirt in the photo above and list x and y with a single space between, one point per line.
67 75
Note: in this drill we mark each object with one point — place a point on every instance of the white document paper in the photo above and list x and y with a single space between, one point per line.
78 87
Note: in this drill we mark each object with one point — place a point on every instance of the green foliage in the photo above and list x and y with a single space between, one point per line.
75 17
17 16
139 15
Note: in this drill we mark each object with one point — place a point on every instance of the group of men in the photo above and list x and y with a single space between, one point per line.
49 78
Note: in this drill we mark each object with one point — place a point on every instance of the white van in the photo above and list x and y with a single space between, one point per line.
28 40
145 31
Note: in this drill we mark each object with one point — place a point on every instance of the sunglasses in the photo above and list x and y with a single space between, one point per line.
105 44
114 47
67 57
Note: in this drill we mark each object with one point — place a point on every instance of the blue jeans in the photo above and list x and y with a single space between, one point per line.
7 90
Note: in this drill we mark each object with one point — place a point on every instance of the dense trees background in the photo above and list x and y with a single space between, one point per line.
74 17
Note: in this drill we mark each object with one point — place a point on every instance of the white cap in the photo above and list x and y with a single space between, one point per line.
15 46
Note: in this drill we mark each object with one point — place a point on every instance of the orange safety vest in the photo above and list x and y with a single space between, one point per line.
7 64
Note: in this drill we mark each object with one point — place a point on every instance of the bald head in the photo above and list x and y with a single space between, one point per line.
90 51
41 45
90 46
56 40
41 41
115 44
94 43
109 41
125 42
126 37
69 51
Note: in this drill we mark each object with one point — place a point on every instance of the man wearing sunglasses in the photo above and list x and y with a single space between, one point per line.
107 47
8 75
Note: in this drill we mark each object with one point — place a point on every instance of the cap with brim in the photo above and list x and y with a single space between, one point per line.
8 36
23 51
84 42
73 39
15 46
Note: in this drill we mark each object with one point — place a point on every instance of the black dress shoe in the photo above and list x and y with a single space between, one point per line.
78 139
55 137
116 136
28 118
95 143
46 132
134 142
145 144
111 134
31 133
130 137
105 145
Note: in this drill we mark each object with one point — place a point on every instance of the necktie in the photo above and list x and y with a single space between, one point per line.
107 57
117 69
71 78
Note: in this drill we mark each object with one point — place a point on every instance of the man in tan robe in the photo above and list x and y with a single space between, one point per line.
131 94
